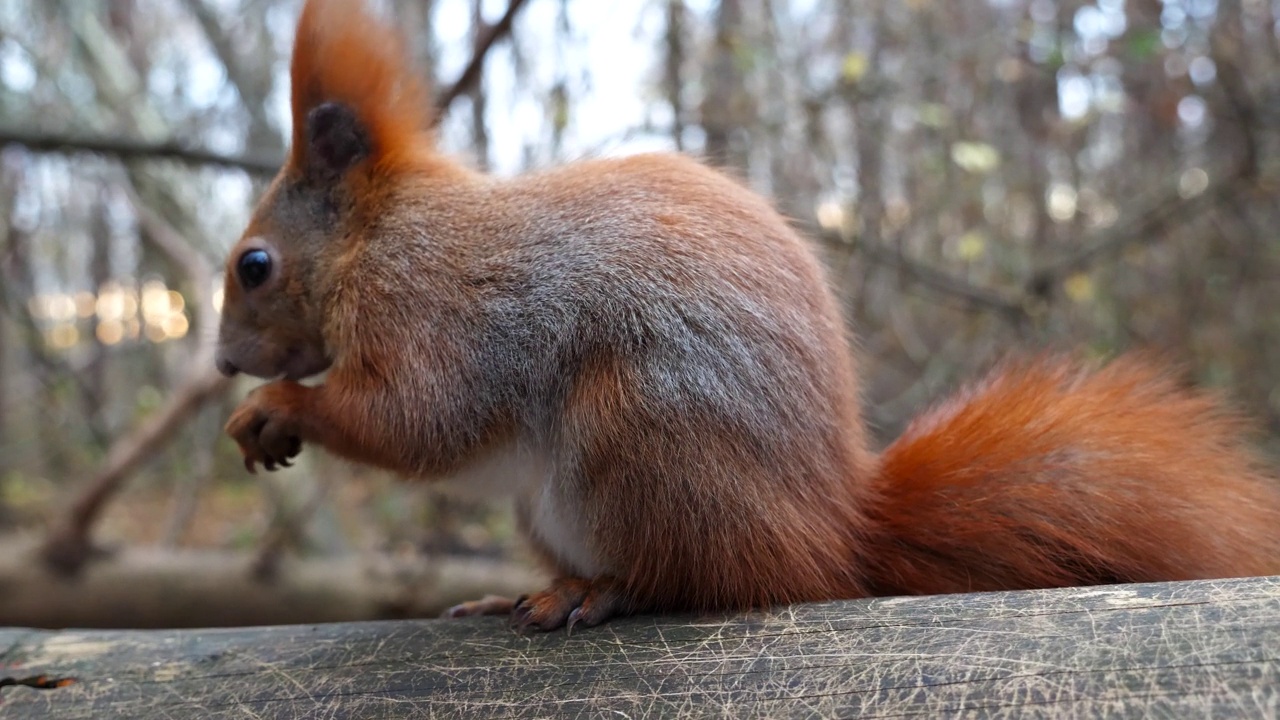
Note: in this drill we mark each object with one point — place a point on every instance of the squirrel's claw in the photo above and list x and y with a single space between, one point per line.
569 602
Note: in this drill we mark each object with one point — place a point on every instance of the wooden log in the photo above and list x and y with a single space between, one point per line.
1194 649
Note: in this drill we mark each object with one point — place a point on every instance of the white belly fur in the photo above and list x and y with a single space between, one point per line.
529 473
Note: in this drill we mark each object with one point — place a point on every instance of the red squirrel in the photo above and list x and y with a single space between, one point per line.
650 359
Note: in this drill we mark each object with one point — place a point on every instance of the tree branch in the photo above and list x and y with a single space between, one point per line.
127 149
258 165
471 74
933 278
1143 227
152 587
68 545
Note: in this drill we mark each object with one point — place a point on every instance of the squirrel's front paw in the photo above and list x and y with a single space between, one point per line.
264 427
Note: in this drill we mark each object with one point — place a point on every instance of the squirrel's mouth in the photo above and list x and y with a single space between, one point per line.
297 363
303 362
226 367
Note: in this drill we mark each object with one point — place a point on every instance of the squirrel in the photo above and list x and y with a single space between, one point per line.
649 358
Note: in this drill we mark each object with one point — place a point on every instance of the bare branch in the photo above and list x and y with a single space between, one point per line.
68 545
258 165
199 271
127 149
47 367
673 65
286 529
142 587
1010 307
471 74
251 79
1143 227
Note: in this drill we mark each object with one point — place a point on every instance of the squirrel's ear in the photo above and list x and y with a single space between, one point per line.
354 95
336 140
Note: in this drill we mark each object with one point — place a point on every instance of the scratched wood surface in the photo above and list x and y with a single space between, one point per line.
1199 649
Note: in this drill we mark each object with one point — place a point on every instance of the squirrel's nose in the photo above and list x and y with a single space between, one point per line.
226 367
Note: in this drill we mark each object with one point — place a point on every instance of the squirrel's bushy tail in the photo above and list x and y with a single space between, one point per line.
1047 475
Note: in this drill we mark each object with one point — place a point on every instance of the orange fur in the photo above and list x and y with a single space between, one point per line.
650 359
344 54
1048 475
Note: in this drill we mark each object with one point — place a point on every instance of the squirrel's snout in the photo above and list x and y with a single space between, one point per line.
226 367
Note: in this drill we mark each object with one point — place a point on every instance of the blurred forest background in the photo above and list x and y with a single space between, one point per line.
982 175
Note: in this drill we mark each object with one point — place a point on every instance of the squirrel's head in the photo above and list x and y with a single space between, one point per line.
359 119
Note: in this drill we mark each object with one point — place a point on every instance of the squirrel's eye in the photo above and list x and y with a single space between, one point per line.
254 268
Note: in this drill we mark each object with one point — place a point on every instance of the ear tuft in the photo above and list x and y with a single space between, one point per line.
355 94
336 140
